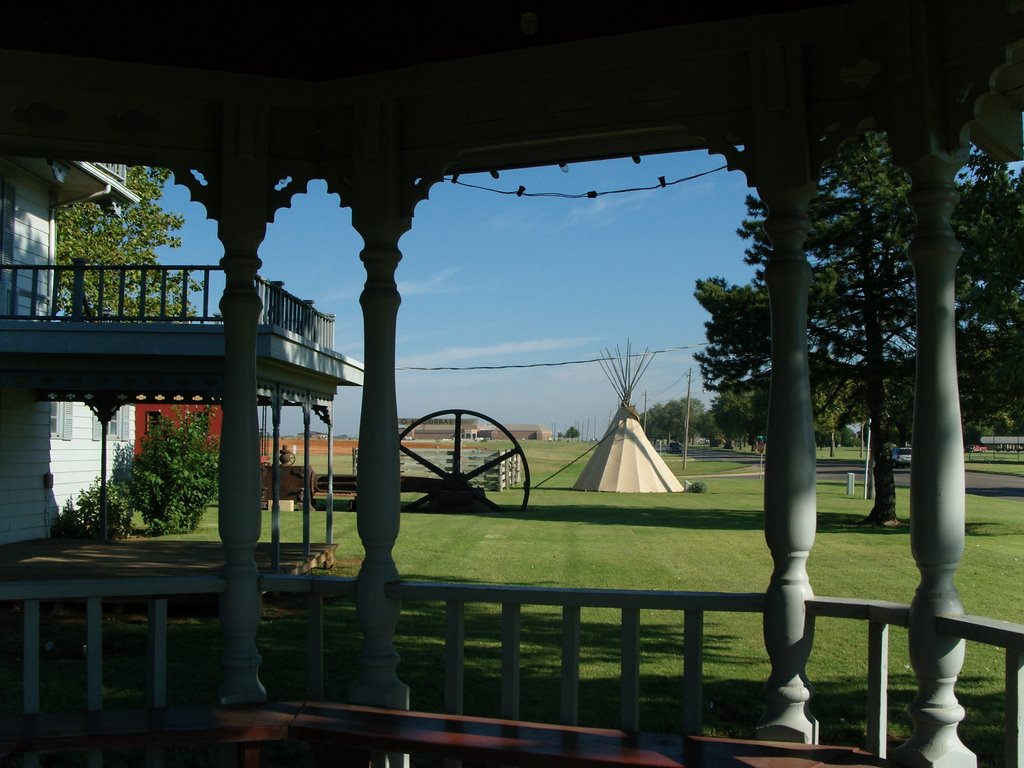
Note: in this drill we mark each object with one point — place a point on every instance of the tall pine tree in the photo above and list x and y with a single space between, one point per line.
861 335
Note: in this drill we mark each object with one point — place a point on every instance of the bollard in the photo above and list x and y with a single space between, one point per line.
850 482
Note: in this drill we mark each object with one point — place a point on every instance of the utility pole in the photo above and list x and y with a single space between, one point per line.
686 423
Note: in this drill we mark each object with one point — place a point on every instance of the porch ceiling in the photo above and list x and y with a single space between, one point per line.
316 41
165 362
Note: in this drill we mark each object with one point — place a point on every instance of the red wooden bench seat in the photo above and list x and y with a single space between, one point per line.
246 725
345 734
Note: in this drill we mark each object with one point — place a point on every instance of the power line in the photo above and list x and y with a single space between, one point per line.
535 365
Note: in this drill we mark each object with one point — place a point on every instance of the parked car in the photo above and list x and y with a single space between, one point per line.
976 448
901 457
675 447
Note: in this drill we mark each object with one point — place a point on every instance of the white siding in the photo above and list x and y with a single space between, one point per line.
32 244
76 463
31 216
27 455
26 506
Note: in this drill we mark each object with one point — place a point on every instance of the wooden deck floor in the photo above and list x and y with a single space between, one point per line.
48 559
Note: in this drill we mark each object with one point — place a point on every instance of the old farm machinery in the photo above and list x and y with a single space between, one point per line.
445 471
457 478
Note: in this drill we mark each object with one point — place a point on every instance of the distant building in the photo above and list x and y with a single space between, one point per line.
146 414
518 431
439 429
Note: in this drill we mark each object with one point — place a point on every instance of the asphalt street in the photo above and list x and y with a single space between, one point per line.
989 484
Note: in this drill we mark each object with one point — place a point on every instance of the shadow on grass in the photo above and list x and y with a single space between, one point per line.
656 516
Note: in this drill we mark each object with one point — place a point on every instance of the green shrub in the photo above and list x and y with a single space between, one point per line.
174 477
697 486
80 517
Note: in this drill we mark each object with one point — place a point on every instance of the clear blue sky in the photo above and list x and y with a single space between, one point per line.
492 280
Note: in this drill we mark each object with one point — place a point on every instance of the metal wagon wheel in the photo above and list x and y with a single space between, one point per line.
452 489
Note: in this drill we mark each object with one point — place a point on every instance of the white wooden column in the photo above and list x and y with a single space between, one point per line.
936 475
377 214
241 227
239 519
789 488
377 513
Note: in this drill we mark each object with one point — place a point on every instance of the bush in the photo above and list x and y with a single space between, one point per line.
80 518
697 486
174 477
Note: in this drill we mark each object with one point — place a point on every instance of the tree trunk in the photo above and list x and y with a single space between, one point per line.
884 510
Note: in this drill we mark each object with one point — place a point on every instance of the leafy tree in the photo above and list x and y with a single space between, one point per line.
989 223
861 334
571 434
741 415
100 235
668 420
174 478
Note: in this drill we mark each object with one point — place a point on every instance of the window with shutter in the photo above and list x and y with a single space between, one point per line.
61 420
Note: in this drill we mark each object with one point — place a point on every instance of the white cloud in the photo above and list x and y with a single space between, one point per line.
440 282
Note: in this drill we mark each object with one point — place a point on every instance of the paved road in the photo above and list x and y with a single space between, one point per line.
995 486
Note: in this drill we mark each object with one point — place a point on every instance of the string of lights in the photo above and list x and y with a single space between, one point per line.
592 194
536 365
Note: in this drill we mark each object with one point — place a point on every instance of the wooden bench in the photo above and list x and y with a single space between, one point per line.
339 735
344 735
246 726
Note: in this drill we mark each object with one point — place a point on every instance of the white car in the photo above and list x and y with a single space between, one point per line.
901 457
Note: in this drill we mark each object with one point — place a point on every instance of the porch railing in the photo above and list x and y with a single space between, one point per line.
692 605
100 293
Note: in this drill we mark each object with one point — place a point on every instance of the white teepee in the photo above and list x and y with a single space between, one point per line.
625 461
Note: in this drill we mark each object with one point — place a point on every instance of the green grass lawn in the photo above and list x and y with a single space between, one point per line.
702 542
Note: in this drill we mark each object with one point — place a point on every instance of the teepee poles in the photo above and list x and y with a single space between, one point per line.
625 371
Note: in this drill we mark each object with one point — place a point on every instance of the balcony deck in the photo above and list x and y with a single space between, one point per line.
150 334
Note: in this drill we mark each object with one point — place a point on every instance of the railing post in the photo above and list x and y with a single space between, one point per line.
1014 713
693 673
78 289
315 646
570 688
30 656
510 639
454 656
878 688
156 653
629 678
